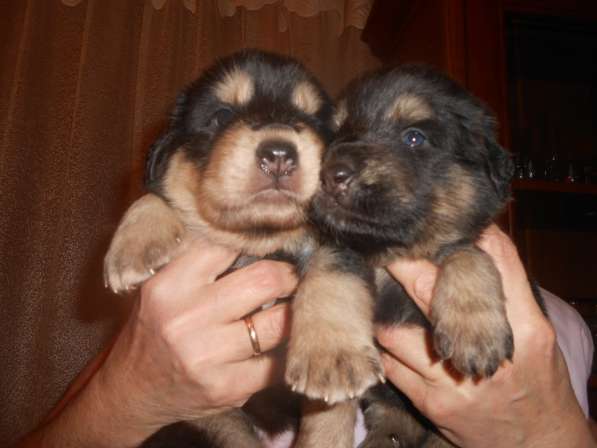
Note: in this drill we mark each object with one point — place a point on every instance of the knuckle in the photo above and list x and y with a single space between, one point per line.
439 410
497 244
267 275
545 336
214 395
539 336
155 290
273 325
169 332
385 337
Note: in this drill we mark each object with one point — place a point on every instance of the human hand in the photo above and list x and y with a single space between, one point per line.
527 403
185 350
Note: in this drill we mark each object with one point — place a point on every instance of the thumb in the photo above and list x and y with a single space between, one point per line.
418 279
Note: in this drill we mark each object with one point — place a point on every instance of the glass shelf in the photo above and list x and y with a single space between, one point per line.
553 187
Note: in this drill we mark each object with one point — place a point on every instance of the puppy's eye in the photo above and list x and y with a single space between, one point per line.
220 117
413 138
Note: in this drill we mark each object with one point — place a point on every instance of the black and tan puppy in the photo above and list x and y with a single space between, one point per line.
415 171
239 165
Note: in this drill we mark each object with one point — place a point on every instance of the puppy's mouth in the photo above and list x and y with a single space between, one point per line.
274 196
277 190
333 203
338 212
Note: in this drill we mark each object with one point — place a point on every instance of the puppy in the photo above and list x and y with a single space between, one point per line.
239 165
415 172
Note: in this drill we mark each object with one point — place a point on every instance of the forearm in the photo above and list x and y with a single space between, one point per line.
92 418
573 431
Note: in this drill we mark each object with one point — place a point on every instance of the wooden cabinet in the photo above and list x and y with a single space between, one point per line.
535 64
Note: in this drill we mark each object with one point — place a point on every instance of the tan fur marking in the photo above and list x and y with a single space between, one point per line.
149 235
468 313
228 198
442 225
327 426
184 187
455 196
410 107
306 98
331 353
340 115
181 185
236 88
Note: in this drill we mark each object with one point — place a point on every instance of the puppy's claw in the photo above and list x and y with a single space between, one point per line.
293 387
151 271
382 379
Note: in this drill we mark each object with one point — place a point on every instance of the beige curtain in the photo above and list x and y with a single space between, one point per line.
85 85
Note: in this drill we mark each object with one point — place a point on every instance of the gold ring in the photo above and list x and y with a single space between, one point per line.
253 336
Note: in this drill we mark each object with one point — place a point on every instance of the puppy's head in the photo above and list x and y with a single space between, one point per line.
415 158
242 153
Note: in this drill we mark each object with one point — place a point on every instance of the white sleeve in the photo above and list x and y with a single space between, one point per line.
575 341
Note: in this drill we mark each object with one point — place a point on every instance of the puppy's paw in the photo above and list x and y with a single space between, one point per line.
468 314
134 258
475 344
333 373
148 237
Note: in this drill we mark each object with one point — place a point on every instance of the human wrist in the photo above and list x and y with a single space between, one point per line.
91 419
123 418
571 431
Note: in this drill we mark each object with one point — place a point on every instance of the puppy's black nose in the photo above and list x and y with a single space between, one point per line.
337 178
277 158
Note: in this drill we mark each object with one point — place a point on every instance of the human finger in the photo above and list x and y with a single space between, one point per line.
411 346
198 264
519 297
176 288
404 378
418 279
240 380
241 292
271 327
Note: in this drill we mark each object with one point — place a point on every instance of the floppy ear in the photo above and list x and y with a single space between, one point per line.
157 158
500 168
163 148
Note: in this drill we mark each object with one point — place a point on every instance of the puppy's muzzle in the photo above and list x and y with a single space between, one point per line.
277 158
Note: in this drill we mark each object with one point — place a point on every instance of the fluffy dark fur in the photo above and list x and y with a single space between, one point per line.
415 171
239 165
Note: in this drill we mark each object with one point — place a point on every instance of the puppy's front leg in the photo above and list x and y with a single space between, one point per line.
331 353
149 235
327 426
468 313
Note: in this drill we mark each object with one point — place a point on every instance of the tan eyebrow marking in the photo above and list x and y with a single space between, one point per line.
237 88
340 115
306 98
410 107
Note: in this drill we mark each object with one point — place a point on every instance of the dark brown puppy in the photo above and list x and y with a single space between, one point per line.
239 165
415 171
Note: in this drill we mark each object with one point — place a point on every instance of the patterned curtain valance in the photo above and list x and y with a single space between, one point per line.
191 5
350 12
